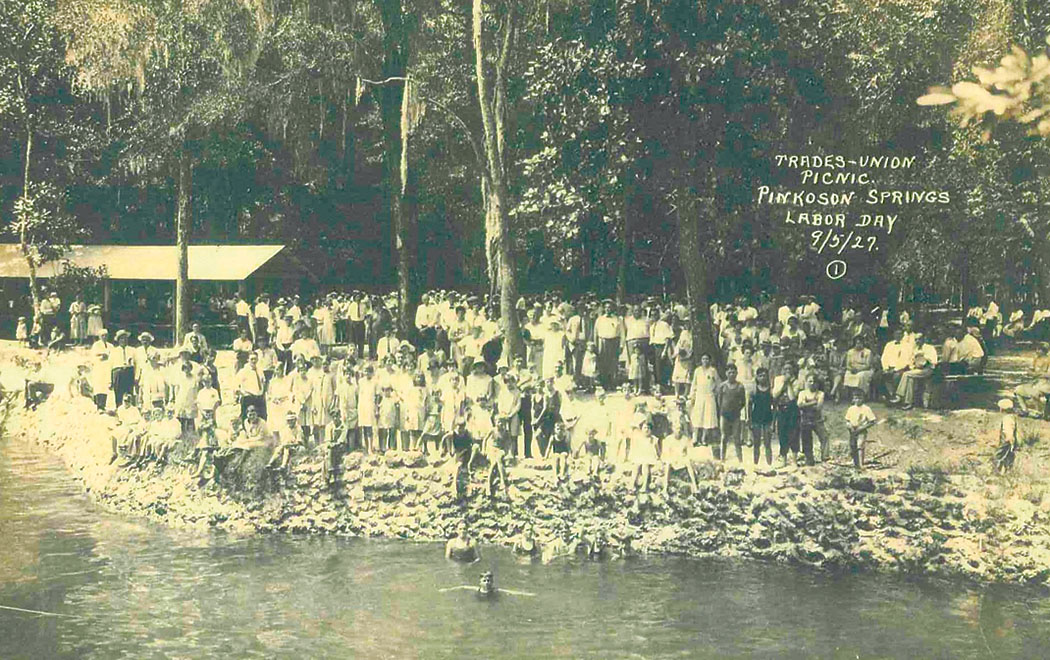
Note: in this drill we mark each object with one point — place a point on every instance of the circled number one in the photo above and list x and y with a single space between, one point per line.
836 269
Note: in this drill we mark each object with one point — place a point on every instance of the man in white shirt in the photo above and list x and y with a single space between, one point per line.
913 381
263 320
250 385
896 359
122 363
963 353
784 312
294 310
198 345
661 336
608 329
810 309
989 321
387 345
746 312
424 314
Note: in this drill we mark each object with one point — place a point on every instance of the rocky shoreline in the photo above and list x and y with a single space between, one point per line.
919 522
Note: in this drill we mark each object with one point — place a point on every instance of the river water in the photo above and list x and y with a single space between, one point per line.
116 588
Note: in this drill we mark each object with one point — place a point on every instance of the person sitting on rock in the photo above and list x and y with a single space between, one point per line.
1032 397
165 434
675 453
592 450
462 547
289 437
131 429
642 448
558 450
253 434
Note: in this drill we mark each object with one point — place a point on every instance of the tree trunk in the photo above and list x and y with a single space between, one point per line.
689 215
496 207
406 226
23 231
183 222
1043 276
625 254
392 108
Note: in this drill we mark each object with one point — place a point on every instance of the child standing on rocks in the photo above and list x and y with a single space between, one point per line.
366 407
730 396
761 416
859 418
387 419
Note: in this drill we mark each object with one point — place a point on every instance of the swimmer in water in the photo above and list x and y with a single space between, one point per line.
462 547
525 545
486 588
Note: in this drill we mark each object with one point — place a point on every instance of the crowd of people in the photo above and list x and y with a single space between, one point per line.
599 384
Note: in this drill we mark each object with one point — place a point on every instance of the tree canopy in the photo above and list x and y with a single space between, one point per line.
629 135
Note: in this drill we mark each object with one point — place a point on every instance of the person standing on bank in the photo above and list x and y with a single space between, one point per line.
122 362
730 396
608 329
811 419
78 321
636 328
703 402
102 372
251 386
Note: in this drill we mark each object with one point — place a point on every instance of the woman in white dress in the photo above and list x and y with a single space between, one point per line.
683 362
704 408
366 407
325 323
555 343
411 412
78 321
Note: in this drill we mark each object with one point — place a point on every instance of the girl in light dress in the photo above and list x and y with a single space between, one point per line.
412 412
325 323
704 408
22 332
366 408
676 449
431 431
589 367
387 418
683 362
94 321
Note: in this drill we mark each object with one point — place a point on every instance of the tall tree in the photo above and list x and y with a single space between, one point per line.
492 101
188 66
30 71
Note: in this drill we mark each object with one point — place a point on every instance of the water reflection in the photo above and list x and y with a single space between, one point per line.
119 588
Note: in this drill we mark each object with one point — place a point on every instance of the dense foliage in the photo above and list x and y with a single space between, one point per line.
625 125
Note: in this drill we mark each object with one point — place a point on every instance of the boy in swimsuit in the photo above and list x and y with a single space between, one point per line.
486 588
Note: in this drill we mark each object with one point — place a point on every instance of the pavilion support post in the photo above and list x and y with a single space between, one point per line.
107 295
